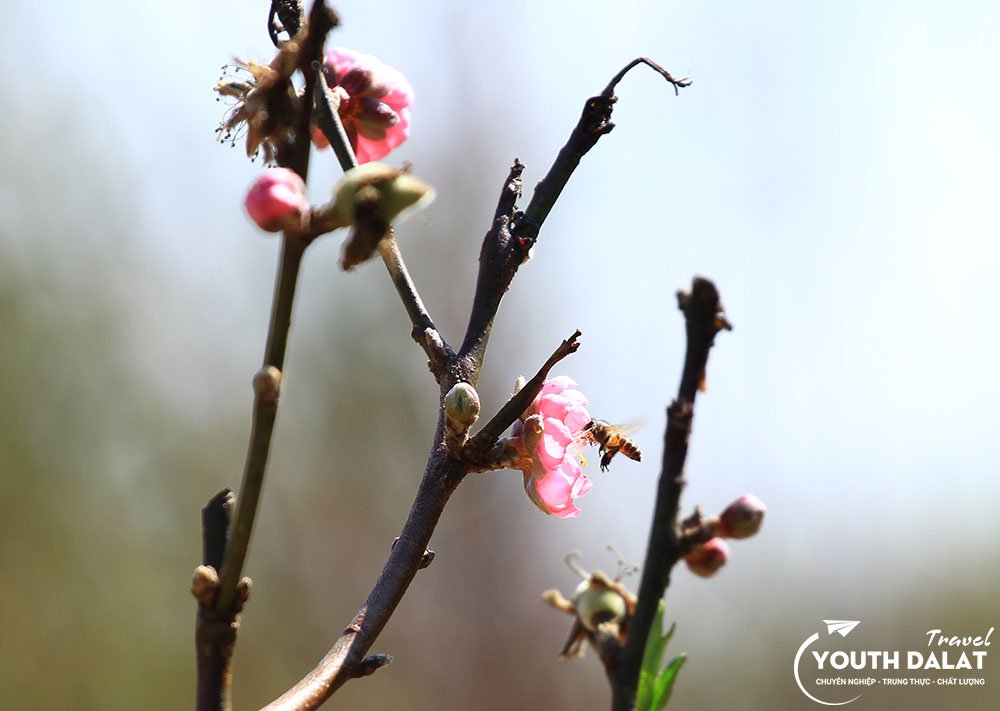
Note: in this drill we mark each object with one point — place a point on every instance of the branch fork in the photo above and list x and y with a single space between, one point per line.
219 587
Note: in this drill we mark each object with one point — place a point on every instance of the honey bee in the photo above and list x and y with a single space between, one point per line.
611 439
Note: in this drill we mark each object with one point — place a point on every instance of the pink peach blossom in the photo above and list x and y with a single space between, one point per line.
556 478
375 102
277 200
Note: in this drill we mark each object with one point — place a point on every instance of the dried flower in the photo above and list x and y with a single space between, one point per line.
551 426
277 200
267 101
374 103
601 607
369 198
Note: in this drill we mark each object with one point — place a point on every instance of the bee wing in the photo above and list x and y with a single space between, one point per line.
632 425
584 438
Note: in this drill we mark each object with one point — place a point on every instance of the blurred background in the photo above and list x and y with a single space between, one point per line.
834 168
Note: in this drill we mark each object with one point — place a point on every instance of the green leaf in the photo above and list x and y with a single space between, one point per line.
655 685
664 685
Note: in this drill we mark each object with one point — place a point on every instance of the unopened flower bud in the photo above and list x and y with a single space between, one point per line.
706 559
369 198
461 404
205 584
596 605
461 410
267 385
742 518
277 200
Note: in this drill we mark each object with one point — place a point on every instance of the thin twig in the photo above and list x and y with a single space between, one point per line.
328 120
222 593
409 553
346 659
704 318
483 440
265 412
215 632
321 20
388 248
332 127
498 261
512 235
678 83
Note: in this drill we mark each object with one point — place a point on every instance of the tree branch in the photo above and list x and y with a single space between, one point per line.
215 632
704 318
482 441
332 127
512 235
218 584
346 659
265 408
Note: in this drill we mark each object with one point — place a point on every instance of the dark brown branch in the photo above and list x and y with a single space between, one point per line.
498 261
482 441
346 659
215 519
409 554
215 633
704 318
328 120
219 587
296 157
424 331
678 83
214 640
512 235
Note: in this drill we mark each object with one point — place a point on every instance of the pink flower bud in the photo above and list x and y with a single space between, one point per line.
706 559
742 518
277 200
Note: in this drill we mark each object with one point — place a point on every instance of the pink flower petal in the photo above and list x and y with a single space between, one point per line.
385 84
565 407
555 439
556 385
557 489
555 480
570 511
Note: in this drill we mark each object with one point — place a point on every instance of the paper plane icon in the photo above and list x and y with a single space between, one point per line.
843 627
